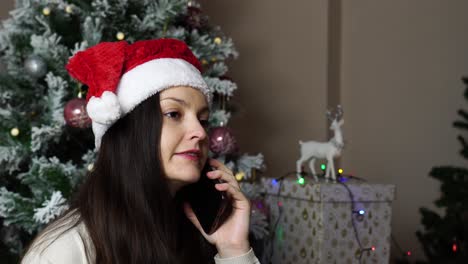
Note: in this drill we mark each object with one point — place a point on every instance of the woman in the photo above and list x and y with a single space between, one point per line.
149 107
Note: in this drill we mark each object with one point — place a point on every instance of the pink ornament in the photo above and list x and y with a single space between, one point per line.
75 113
222 141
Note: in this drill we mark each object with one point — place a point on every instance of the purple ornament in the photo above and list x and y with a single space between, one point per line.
222 141
261 206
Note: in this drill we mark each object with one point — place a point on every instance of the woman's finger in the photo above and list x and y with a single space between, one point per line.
233 191
193 218
220 166
224 177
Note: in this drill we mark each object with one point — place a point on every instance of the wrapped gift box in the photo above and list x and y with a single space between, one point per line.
315 224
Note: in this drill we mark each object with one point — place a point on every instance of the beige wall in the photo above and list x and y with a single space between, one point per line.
5 7
401 67
401 63
281 74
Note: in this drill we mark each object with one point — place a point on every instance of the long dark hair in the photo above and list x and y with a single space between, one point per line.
125 202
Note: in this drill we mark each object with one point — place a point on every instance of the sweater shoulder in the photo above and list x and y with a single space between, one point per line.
59 243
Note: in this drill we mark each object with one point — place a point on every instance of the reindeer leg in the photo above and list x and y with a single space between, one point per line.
328 168
312 168
299 167
332 169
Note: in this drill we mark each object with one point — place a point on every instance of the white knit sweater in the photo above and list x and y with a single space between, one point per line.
56 248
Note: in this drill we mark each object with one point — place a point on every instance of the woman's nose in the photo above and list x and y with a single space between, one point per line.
198 131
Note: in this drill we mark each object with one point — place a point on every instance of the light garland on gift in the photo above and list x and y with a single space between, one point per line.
358 214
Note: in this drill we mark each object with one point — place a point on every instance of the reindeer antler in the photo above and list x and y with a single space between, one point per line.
339 112
329 115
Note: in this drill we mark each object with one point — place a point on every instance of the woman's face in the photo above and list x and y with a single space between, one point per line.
184 140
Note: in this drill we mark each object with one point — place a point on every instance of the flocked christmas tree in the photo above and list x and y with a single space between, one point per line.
445 237
46 145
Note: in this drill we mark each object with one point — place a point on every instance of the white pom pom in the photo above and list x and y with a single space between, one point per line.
104 110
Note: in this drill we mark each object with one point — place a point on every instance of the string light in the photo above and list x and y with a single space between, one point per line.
274 181
323 166
301 181
46 11
120 36
454 247
69 9
240 175
14 131
340 171
217 40
361 212
408 253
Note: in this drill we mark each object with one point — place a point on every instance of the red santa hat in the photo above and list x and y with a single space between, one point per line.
120 76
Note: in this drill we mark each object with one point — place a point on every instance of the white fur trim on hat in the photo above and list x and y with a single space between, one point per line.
105 109
154 76
137 85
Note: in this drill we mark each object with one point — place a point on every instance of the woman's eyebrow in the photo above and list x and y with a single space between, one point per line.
177 100
205 109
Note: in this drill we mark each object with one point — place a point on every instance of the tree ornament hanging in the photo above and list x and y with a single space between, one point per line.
14 131
194 18
35 66
75 113
260 206
222 141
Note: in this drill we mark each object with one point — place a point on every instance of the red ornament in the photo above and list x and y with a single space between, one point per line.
75 113
195 19
222 141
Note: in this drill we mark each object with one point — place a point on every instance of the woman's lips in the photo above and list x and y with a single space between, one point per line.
189 156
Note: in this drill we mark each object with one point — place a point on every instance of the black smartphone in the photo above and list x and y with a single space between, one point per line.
211 206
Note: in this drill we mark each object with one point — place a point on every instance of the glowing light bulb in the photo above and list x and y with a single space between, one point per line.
454 247
323 166
372 248
219 138
301 180
274 181
240 175
340 171
361 212
408 253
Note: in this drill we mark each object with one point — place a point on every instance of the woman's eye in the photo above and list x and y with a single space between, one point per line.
172 115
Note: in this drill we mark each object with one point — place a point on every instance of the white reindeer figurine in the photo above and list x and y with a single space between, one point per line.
312 150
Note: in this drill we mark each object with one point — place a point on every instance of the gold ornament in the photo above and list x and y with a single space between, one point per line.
204 62
214 59
14 132
240 175
46 11
218 40
120 36
90 167
69 9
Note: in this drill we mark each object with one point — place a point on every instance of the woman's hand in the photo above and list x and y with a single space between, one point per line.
231 238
